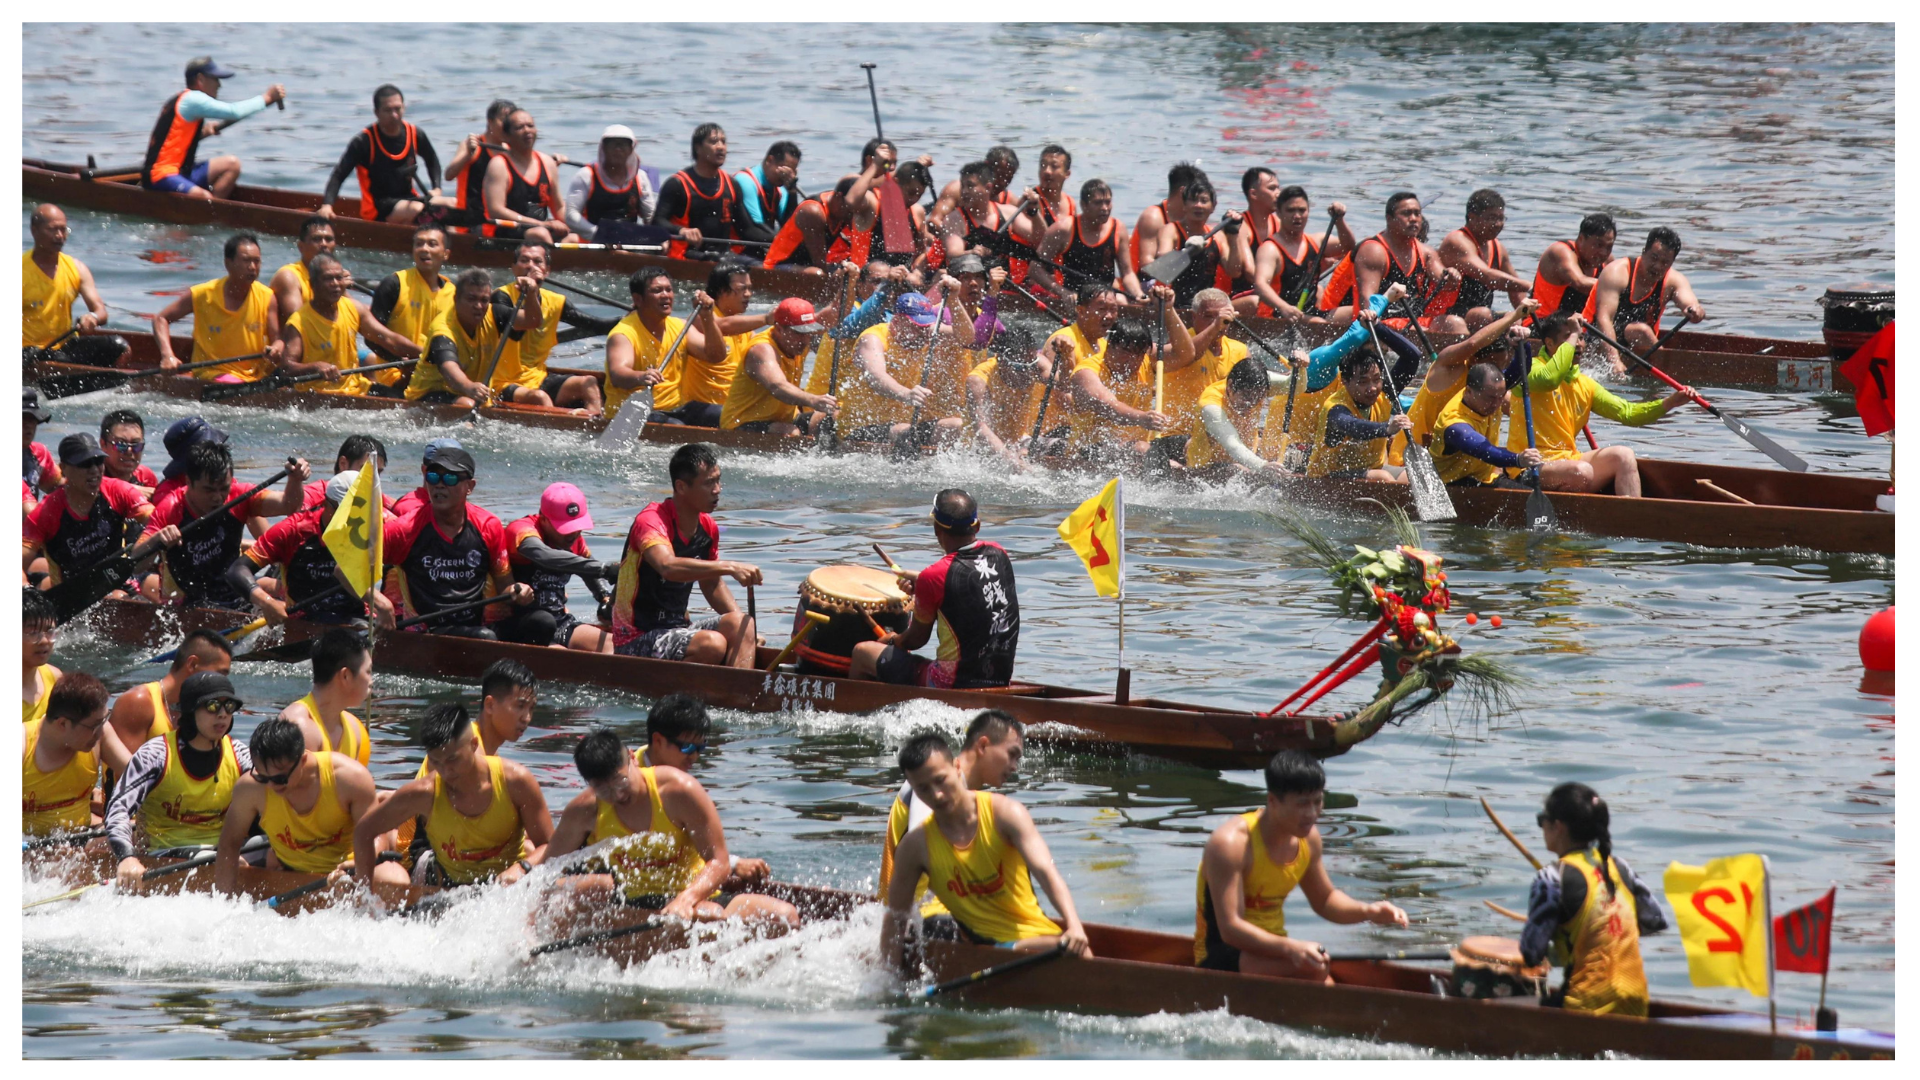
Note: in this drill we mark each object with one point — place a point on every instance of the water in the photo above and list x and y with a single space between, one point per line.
1714 697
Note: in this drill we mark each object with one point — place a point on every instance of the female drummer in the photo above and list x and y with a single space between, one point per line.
1587 911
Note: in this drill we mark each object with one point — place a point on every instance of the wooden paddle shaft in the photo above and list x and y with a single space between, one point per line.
1718 490
814 618
1508 833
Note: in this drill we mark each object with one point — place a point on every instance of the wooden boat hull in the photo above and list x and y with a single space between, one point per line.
1077 720
1695 358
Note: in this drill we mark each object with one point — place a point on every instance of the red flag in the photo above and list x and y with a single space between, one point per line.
1802 938
1870 370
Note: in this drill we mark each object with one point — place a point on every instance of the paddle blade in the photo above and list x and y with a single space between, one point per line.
70 383
1786 458
1430 499
1169 266
1540 514
626 424
895 222
287 652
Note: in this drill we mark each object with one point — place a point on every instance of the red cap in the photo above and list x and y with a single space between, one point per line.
797 315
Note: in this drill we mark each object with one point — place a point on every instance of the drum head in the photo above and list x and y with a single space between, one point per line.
1494 950
862 586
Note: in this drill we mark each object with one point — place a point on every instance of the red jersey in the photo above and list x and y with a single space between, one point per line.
438 570
642 599
198 565
306 566
549 588
72 541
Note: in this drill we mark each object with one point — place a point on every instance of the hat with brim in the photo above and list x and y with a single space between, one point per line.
798 316
81 448
451 459
915 306
617 131
30 405
968 264
207 65
182 436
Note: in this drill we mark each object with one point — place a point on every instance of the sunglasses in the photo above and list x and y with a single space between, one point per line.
133 447
446 479
1541 819
221 705
277 779
692 747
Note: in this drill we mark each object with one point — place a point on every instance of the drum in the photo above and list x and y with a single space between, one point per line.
1491 967
853 598
1854 314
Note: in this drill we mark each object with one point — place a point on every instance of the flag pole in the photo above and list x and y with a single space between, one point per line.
1766 897
1123 684
1823 1018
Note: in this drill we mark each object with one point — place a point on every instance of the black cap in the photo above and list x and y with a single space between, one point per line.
80 448
182 436
30 405
452 459
206 65
202 686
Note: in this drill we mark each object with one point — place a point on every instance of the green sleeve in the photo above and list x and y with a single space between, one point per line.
1552 371
1637 414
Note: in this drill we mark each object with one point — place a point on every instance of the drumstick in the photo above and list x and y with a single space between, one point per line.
1508 912
1508 833
814 619
898 570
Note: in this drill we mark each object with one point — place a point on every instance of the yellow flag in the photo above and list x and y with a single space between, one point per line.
353 535
1097 531
1721 909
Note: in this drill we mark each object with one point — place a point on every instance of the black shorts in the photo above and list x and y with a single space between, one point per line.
552 384
382 390
692 414
438 397
948 928
758 427
656 901
99 350
1220 957
383 208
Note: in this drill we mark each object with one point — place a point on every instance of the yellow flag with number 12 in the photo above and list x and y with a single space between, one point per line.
353 533
1722 912
1097 532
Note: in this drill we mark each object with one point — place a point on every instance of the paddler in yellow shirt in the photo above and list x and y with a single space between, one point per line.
1113 419
322 337
885 387
59 769
1225 439
233 316
530 383
1198 360
635 344
1466 435
1004 393
990 755
462 347
410 301
292 288
1448 374
695 389
980 854
342 678
307 802
766 396
179 784
50 281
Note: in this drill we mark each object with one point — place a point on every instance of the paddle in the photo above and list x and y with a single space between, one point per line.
295 651
1430 498
1508 833
1159 353
196 862
828 433
1377 957
80 837
1046 395
896 225
986 973
274 903
1313 278
1175 262
633 412
814 619
1507 911
577 291
595 937
905 445
239 632
1039 303
1784 457
277 381
1539 511
68 383
644 249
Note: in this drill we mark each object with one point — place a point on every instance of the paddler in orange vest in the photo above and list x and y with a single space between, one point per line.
1253 862
1394 256
1039 210
522 187
976 224
1483 262
1569 269
1261 220
58 765
769 192
980 855
192 115
468 169
1283 263
233 316
322 338
1189 231
1145 246
701 200
290 284
766 395
1002 164
51 280
990 753
306 801
384 157
678 861
342 678
1632 294
611 189
146 711
487 819
1093 245
1587 912
179 784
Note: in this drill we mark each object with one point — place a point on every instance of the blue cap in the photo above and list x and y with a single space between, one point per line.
445 442
915 306
182 436
206 65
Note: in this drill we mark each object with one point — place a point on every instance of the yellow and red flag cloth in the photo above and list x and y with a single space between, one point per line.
1721 910
1803 937
1870 370
1097 533
353 535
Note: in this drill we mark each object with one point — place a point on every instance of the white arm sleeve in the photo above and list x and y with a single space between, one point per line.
1220 430
577 192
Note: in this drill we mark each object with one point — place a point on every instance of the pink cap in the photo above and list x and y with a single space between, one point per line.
564 507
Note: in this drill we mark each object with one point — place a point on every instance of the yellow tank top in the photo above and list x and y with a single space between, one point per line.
162 722
60 800
300 273
1306 414
1184 387
1010 413
1348 456
748 402
659 866
947 377
470 849
901 820
985 884
1602 942
474 353
1558 416
182 811
820 378
1453 465
861 403
646 355
1085 428
531 354
353 737
331 341
1264 888
1425 413
1201 449
47 302
219 333
693 379
36 710
314 842
419 306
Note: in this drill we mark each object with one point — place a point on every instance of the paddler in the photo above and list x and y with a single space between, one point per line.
486 818
303 565
990 754
41 472
680 866
1569 269
1251 864
193 572
1483 262
1208 257
1224 440
508 695
322 337
1003 397
50 281
449 552
769 192
635 344
462 344
355 451
701 200
1561 412
1448 373
1282 265
342 679
410 301
968 595
887 384
123 438
979 854
58 764
765 396
1041 208
291 285
546 550
839 225
521 191
678 728
89 519
1146 231
386 156
1261 188
875 286
1466 433
306 801
1194 361
468 169
1394 256
695 392
146 711
1632 294
233 316
1093 244
530 383
1356 422
1113 417
611 189
1002 166
192 115
975 224
38 629
672 545
1321 380
1587 911
179 783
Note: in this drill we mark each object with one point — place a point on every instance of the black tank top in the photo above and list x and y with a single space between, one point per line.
529 198
310 571
1097 261
1644 310
199 563
443 573
473 182
709 207
1294 275
1473 293
388 171
1199 273
980 235
611 204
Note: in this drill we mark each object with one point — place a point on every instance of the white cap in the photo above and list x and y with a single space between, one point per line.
617 131
341 483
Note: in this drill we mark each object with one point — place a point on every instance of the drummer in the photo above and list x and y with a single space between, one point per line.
1250 865
1587 911
969 595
